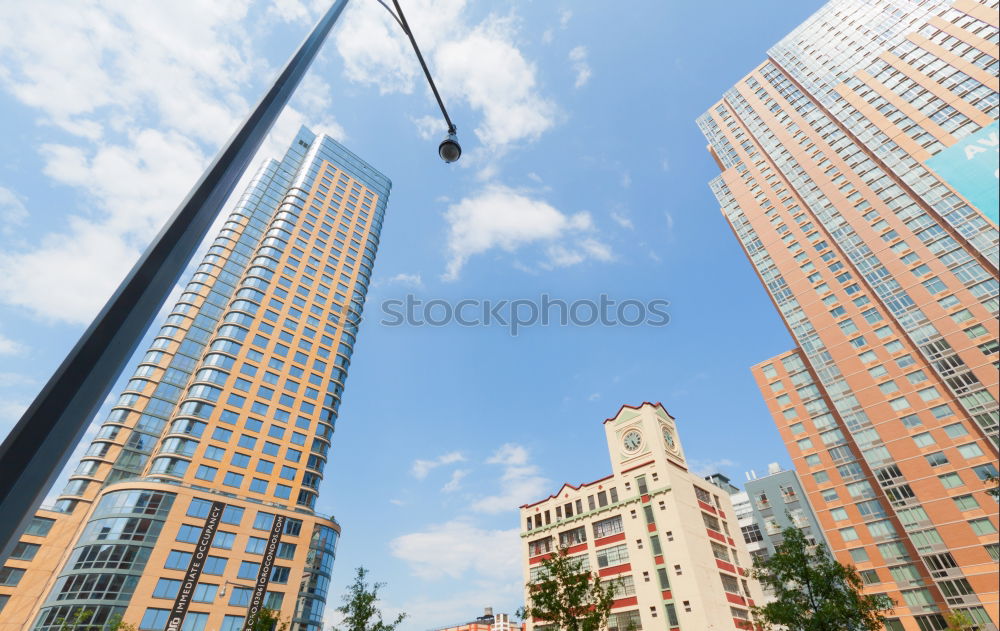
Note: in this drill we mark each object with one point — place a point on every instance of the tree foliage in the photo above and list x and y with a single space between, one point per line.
360 608
994 484
567 597
269 620
960 621
814 592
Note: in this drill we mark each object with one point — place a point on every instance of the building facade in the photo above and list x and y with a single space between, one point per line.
195 504
859 175
489 621
663 534
768 505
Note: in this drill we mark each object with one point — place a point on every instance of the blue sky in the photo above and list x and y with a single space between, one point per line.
584 174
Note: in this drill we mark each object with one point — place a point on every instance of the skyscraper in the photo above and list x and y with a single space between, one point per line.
859 174
194 505
663 536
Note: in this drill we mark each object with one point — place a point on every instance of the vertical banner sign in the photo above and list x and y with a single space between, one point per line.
264 573
197 564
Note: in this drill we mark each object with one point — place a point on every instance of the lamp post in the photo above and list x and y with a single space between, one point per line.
38 447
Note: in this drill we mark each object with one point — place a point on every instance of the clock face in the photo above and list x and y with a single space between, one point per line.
632 440
668 436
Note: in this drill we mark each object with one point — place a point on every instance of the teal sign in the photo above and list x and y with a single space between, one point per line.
971 168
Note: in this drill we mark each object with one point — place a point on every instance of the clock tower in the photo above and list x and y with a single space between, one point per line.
647 433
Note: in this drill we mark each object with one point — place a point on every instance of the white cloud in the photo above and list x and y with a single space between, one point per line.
479 64
520 481
148 90
564 17
431 127
500 217
708 467
13 380
489 71
458 548
12 210
580 66
622 220
409 280
10 414
421 468
455 482
10 347
289 10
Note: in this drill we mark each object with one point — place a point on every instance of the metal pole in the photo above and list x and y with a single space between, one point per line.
38 447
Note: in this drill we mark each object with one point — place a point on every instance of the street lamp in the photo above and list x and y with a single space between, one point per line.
38 447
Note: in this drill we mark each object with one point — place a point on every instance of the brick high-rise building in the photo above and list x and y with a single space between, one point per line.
859 166
195 502
667 537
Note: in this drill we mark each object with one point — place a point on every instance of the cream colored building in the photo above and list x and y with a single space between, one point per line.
669 537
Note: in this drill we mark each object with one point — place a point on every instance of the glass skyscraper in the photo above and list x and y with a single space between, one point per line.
859 174
194 505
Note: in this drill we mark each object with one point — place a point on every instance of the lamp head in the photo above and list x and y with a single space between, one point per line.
449 149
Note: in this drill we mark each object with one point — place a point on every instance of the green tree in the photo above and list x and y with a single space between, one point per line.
77 622
960 621
568 597
813 592
994 483
360 608
269 620
117 624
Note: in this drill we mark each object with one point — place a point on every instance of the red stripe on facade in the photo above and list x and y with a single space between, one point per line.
645 499
625 602
722 565
708 508
612 539
580 547
736 599
539 558
638 466
731 542
636 407
667 595
651 527
658 559
617 569
718 536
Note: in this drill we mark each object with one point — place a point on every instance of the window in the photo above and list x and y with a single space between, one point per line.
248 570
156 619
24 551
611 556
950 480
970 450
752 533
923 439
166 588
204 593
188 533
240 596
39 526
983 526
848 534
965 502
214 565
608 527
177 560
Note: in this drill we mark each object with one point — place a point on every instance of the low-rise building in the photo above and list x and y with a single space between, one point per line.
768 505
666 535
487 622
